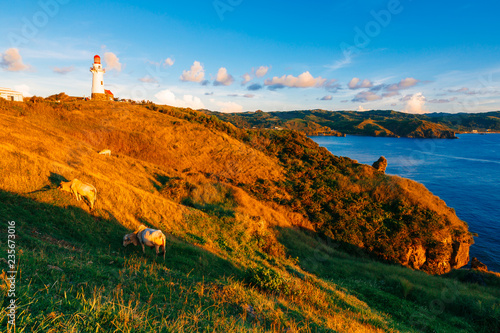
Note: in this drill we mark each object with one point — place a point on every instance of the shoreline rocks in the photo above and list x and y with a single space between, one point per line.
381 164
478 266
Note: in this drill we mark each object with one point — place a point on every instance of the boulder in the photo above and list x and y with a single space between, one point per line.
477 265
380 164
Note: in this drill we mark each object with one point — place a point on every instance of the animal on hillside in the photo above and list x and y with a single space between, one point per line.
146 236
105 152
80 190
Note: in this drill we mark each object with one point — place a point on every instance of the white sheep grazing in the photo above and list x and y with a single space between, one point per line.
80 189
146 236
105 152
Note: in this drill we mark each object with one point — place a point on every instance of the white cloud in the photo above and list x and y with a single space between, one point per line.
403 84
366 96
112 62
24 89
461 90
148 79
390 94
169 62
341 63
326 98
362 109
415 103
63 70
188 101
12 61
223 78
332 85
356 84
246 78
442 100
261 71
230 107
195 74
366 84
407 83
304 80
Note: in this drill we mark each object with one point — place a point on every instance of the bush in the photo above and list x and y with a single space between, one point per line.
268 279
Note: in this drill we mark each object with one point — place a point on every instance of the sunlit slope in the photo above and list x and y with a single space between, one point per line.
41 145
164 159
237 207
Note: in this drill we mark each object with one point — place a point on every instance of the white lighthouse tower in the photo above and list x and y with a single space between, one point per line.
97 79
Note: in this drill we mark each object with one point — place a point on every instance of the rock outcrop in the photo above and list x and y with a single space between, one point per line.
380 164
415 257
460 255
444 256
478 266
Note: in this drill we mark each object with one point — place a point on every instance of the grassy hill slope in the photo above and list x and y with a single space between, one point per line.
249 248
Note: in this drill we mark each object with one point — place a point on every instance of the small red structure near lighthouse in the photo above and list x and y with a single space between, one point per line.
98 92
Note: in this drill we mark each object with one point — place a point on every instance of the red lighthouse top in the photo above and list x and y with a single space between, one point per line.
97 59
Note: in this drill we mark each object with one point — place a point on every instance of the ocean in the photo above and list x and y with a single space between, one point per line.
465 173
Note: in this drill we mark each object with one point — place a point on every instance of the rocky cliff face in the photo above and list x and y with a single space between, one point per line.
447 247
442 257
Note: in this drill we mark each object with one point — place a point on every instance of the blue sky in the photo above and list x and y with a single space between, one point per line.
239 55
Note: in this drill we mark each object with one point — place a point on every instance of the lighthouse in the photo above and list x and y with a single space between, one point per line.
97 71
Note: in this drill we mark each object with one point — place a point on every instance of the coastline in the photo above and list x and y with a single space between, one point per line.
460 184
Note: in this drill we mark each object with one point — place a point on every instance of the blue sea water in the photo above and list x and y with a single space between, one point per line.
465 173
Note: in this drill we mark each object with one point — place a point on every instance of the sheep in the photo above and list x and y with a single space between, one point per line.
80 189
105 152
146 236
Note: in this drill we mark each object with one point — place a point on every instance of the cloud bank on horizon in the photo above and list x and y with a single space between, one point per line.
368 60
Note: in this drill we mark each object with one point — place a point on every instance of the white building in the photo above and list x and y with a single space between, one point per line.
11 95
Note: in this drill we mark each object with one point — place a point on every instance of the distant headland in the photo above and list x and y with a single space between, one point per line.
380 123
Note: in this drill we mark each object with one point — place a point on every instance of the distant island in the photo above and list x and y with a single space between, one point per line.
384 123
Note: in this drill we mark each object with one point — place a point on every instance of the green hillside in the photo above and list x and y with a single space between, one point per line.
266 231
368 123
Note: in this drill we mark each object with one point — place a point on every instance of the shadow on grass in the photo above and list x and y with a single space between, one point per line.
71 224
56 179
218 209
162 181
39 223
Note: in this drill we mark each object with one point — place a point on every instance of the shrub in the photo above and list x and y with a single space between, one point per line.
267 279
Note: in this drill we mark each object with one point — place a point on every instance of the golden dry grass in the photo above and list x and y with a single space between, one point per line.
144 144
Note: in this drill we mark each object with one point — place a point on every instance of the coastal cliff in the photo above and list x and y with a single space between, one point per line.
393 218
447 247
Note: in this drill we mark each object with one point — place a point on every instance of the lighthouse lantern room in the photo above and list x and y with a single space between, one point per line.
98 79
